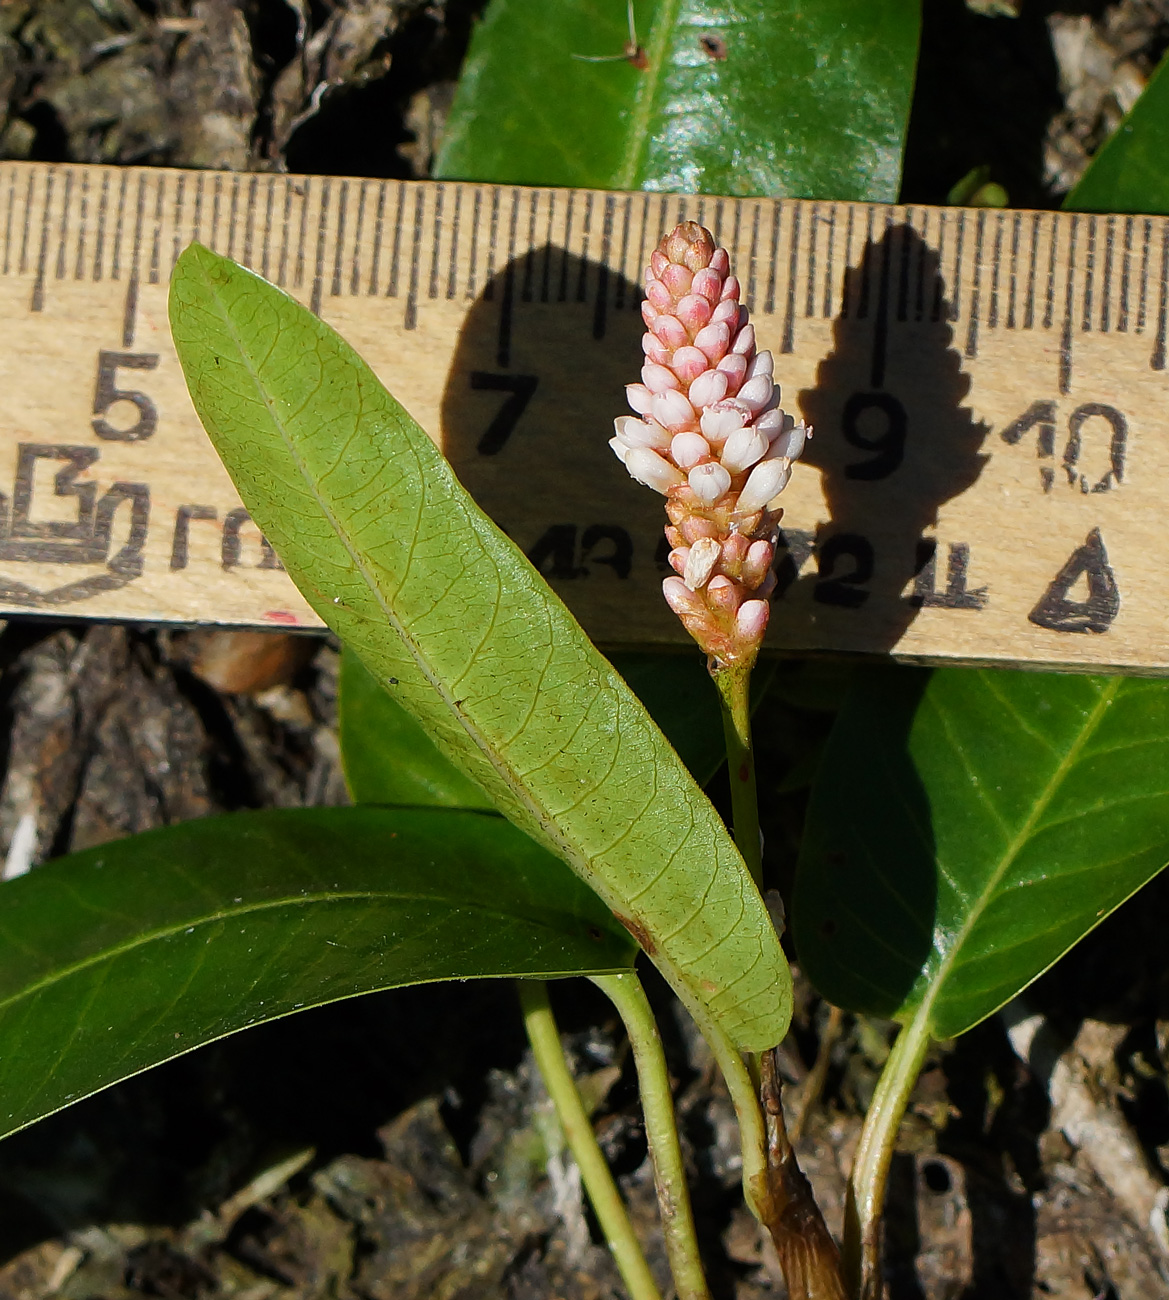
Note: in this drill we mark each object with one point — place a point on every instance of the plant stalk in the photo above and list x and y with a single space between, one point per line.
657 1104
870 1169
734 693
582 1142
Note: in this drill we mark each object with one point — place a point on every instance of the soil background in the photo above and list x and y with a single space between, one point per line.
400 1146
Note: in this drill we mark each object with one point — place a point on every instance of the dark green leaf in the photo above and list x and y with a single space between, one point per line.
1129 174
748 97
967 828
126 955
447 612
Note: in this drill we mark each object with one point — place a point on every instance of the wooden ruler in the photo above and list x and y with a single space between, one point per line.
989 391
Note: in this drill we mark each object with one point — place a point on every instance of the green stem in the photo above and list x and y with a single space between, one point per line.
594 1171
657 1105
734 693
870 1168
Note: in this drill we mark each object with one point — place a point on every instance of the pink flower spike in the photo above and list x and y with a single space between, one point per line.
751 621
677 279
708 283
620 449
724 594
670 330
762 363
677 558
714 341
757 562
641 433
730 288
672 411
735 369
790 443
689 449
720 262
767 480
680 598
649 313
744 343
688 363
659 295
756 392
694 311
658 379
709 482
639 397
655 351
727 311
657 262
771 422
653 470
719 423
743 448
708 388
700 563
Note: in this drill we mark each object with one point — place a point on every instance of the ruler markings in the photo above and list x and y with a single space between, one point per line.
63 224
1106 276
410 314
436 242
752 260
82 228
233 217
249 259
1143 296
1089 277
38 289
1065 345
906 232
63 229
358 240
396 242
303 193
285 235
339 242
473 253
810 274
216 206
1125 275
602 300
992 315
789 315
624 277
829 264
1157 361
716 226
880 349
1049 291
25 224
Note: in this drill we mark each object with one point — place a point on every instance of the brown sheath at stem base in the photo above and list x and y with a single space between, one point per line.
807 1254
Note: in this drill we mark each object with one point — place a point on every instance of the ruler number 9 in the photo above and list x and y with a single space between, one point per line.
107 393
889 444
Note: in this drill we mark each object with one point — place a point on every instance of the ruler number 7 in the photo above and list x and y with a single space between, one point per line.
521 388
106 393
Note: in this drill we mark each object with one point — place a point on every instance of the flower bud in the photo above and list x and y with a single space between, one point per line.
700 563
766 481
654 471
709 482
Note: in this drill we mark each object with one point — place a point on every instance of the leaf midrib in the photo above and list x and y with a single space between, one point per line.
1018 841
539 814
647 92
141 940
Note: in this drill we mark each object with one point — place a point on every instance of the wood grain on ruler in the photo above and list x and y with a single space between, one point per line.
989 390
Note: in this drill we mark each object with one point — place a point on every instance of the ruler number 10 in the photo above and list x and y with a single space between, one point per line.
106 394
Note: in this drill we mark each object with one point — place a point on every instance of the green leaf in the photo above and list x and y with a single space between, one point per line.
121 957
967 828
1129 173
446 611
747 97
388 758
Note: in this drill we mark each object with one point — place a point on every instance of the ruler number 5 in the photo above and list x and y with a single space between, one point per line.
521 388
106 393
